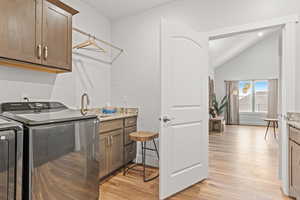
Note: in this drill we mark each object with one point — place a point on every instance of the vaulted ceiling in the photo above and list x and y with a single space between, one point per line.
225 49
115 9
221 50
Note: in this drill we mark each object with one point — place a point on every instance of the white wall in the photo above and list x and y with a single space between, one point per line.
88 75
260 61
136 74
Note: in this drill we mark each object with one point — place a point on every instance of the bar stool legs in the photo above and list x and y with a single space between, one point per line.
144 148
157 154
267 130
275 124
144 159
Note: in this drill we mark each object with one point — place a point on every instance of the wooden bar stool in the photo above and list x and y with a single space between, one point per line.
274 122
143 137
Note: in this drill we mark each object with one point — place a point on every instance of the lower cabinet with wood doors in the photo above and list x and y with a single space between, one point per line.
116 149
294 162
111 152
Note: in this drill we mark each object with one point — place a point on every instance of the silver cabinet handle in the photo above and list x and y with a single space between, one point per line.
46 51
39 51
112 140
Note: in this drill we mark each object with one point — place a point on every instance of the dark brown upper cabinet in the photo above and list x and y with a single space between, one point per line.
36 34
18 34
57 37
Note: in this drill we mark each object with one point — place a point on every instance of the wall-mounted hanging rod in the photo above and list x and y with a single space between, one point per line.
102 41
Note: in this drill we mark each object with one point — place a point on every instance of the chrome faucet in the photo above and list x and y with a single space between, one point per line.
84 105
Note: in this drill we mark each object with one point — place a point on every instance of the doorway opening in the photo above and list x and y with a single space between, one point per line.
286 85
245 79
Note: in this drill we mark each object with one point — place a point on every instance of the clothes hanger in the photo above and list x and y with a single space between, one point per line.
90 42
102 42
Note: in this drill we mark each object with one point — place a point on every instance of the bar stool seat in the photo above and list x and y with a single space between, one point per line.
143 137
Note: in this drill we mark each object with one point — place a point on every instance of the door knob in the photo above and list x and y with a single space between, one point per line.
165 119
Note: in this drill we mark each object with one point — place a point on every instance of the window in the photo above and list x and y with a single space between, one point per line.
253 96
261 96
245 96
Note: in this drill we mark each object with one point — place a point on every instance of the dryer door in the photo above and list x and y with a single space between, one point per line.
7 165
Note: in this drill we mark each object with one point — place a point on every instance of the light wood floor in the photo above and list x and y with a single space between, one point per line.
242 166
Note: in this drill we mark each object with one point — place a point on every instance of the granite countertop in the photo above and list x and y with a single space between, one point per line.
120 114
104 118
294 120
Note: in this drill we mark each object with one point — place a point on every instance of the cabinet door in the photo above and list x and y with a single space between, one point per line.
131 121
111 125
57 37
295 168
103 156
20 35
127 131
130 152
116 156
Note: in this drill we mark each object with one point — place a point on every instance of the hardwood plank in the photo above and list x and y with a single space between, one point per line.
242 166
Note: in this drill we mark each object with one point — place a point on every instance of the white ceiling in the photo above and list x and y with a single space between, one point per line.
223 50
115 9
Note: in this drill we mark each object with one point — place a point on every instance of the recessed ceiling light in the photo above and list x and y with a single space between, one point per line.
260 34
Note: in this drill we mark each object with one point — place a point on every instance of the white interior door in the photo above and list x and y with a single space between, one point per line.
184 109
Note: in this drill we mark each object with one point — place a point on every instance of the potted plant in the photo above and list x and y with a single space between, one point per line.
218 107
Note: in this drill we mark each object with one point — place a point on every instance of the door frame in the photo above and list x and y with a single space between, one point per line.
288 69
